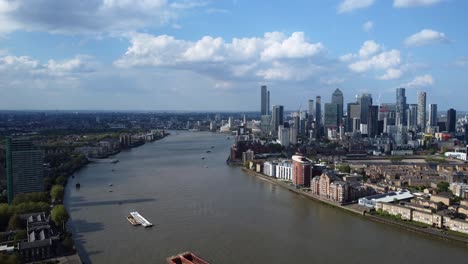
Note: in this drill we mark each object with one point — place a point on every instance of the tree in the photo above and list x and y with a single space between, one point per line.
443 187
57 192
31 197
344 168
60 215
396 159
21 234
9 259
5 214
68 244
60 180
14 223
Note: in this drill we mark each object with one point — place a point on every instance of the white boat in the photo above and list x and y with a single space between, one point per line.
140 219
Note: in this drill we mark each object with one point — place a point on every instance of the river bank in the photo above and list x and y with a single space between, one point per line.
363 212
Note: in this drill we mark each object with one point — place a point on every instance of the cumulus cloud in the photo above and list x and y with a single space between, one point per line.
350 5
275 56
414 3
91 16
426 37
372 57
29 66
391 74
380 61
369 47
462 62
420 81
368 26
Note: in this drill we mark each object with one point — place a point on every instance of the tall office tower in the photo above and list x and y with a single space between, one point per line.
372 121
263 98
230 122
401 106
365 100
318 115
278 117
433 115
412 116
331 115
422 111
451 120
353 112
387 110
311 110
337 98
23 167
268 103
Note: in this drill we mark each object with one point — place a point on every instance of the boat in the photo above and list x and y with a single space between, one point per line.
208 151
110 191
78 185
186 258
140 219
132 220
203 158
110 184
212 146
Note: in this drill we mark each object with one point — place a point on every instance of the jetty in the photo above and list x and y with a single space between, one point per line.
140 219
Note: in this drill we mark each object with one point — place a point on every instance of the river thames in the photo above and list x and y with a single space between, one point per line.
222 214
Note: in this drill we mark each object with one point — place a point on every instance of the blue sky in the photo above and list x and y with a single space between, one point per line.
214 55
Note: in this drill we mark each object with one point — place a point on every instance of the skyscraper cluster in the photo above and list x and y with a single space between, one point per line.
398 121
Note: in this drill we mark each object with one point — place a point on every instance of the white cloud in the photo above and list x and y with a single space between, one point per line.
293 47
420 81
372 57
332 80
275 56
462 62
368 48
391 74
426 37
91 16
78 64
414 3
368 26
381 61
350 5
29 66
347 57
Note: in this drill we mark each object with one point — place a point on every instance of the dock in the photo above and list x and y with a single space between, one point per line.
140 219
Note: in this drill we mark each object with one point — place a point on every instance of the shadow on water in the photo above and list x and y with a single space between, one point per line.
111 202
79 228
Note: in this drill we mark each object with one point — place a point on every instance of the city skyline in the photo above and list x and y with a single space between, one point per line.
199 56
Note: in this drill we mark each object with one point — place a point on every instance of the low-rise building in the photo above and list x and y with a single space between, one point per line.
446 199
371 201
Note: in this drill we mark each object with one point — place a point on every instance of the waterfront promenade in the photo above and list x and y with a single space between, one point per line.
364 212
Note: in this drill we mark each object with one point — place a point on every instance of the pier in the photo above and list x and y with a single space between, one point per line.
140 219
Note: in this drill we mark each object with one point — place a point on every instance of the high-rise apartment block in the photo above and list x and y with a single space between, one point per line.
23 167
422 111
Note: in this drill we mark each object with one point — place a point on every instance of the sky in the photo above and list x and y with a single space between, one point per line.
213 55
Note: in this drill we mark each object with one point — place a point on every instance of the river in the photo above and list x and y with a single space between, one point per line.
222 214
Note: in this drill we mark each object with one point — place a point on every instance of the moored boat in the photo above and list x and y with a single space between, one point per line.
186 258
